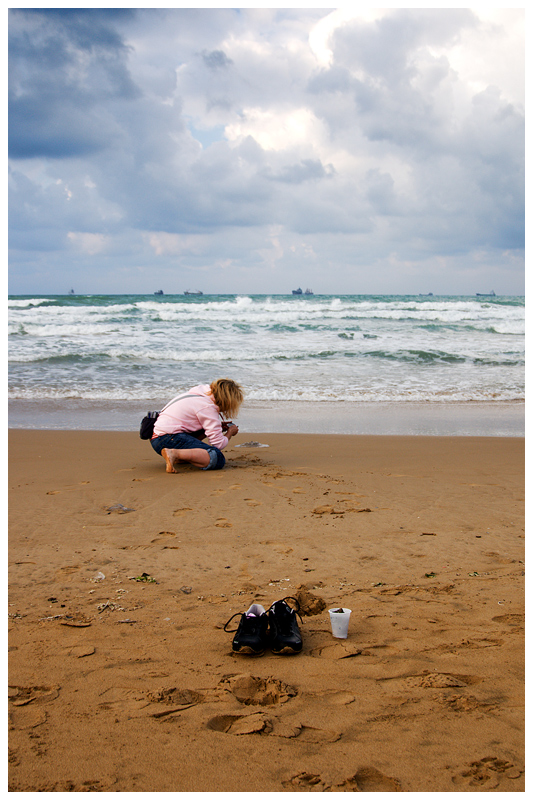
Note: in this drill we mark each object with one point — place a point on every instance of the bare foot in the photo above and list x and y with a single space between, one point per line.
169 459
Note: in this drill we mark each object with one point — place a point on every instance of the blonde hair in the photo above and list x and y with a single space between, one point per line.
227 395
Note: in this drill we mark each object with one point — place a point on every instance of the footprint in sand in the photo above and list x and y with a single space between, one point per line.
239 725
162 536
465 703
81 651
383 650
134 546
336 651
69 487
339 698
324 510
440 681
218 492
486 774
498 557
432 680
23 695
245 460
222 522
29 718
258 722
252 503
305 782
307 734
510 619
124 701
476 644
251 690
174 696
282 474
180 512
62 572
279 547
369 779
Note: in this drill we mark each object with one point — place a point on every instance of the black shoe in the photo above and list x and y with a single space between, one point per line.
284 633
251 637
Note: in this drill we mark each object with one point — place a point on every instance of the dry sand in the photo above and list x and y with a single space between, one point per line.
119 684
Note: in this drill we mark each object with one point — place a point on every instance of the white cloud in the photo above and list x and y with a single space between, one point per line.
89 243
278 129
221 140
492 54
173 244
322 32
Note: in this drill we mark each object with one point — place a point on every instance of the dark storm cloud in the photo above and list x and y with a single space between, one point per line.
64 65
216 60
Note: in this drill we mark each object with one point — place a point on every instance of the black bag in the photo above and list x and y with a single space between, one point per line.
147 424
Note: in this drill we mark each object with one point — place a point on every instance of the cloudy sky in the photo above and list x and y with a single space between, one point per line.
257 150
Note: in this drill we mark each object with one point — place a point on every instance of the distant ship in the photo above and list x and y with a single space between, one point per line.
299 291
159 291
72 291
488 294
198 292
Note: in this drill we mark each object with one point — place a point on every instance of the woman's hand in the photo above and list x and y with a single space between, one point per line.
232 431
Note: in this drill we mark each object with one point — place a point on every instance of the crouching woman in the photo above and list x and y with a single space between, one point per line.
201 413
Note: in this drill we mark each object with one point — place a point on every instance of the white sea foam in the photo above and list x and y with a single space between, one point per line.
340 349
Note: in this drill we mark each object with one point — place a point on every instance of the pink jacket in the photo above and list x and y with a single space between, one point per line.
191 414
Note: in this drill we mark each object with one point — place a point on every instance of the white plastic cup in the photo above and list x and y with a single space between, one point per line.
340 619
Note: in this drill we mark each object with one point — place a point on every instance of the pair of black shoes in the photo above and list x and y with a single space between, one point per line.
276 629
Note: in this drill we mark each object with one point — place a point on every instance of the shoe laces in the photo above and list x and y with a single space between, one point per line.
284 612
252 616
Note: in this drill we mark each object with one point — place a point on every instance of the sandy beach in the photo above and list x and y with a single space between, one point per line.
122 678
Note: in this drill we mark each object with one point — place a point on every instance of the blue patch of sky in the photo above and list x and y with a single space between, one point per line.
207 136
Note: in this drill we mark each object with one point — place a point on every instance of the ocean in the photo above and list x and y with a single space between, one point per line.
326 362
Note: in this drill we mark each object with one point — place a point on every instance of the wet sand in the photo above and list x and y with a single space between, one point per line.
122 577
292 416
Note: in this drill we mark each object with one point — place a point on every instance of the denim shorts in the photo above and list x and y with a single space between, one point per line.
184 441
